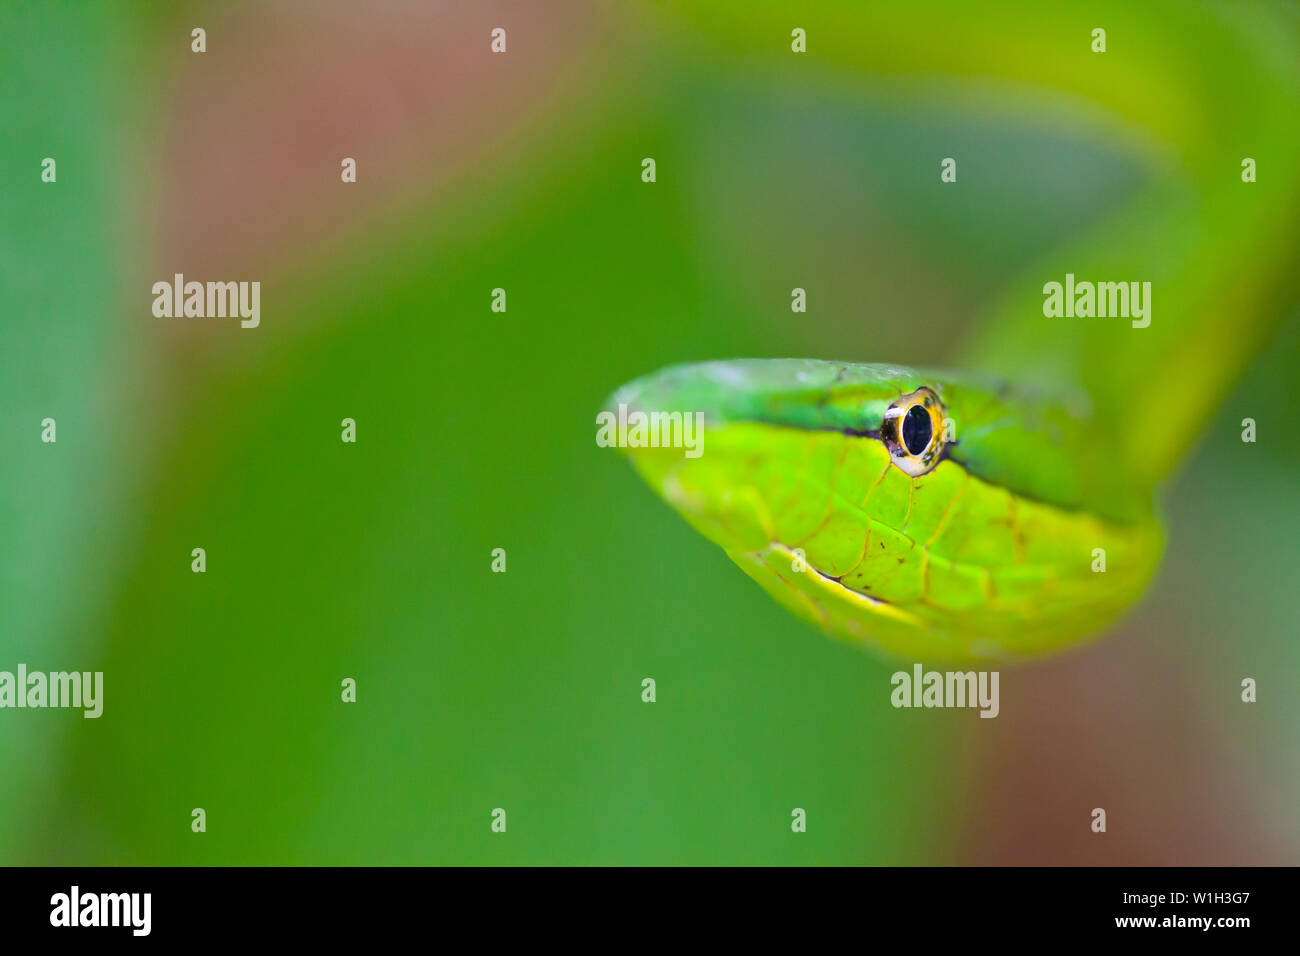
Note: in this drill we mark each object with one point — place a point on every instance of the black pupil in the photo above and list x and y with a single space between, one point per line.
917 430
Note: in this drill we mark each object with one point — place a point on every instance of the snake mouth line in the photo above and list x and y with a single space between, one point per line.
869 599
880 602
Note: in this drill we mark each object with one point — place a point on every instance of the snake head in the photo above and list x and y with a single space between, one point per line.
927 515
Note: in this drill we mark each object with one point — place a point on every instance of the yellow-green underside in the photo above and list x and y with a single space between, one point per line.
944 566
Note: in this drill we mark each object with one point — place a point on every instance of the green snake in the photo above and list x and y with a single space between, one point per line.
1011 507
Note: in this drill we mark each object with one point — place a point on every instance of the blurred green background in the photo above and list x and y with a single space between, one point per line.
476 431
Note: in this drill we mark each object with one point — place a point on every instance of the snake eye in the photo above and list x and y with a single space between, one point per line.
913 431
917 430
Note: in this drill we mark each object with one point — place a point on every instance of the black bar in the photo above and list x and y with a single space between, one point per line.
335 905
